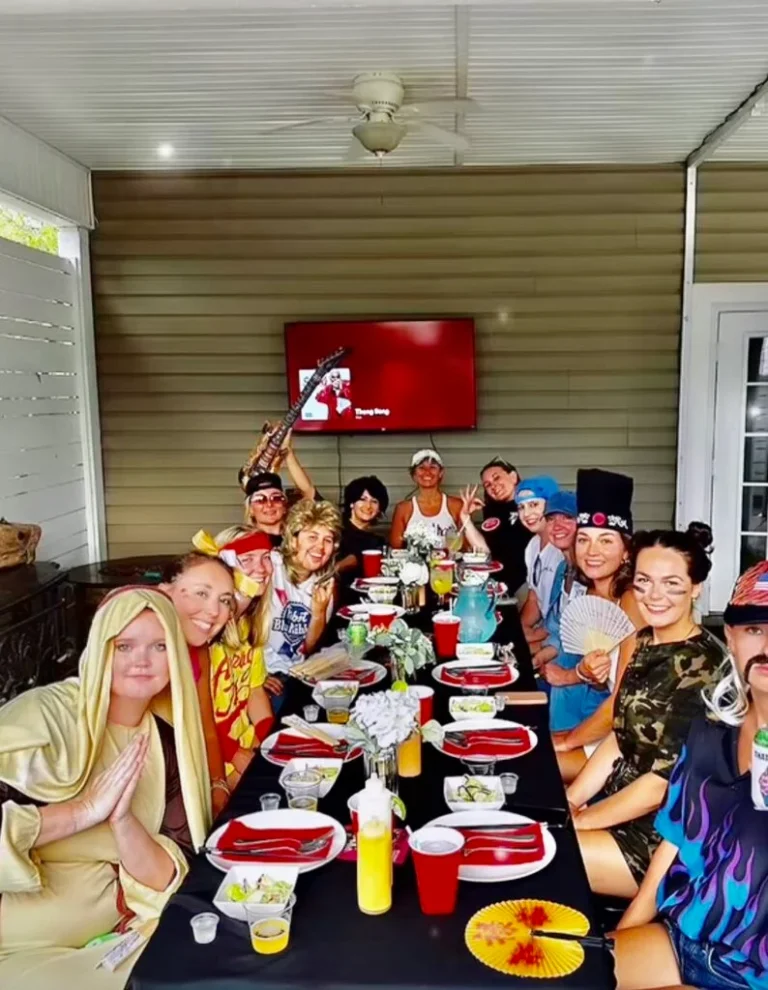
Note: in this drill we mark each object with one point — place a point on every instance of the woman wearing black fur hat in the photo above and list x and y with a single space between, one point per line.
365 500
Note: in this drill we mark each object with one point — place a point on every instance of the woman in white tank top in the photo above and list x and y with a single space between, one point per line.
429 508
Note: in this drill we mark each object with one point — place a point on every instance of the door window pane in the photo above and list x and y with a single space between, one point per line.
752 551
757 360
754 510
756 459
757 409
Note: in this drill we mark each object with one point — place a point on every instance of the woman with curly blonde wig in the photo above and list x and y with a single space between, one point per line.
302 591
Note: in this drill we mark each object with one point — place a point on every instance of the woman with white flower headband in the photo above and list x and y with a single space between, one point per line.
701 914
430 509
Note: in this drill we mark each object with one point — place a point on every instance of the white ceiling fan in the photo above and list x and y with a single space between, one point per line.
383 119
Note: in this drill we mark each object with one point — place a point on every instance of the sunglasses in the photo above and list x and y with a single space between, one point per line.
268 499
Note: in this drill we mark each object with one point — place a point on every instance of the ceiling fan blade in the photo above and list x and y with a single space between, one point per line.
356 154
449 138
309 122
438 105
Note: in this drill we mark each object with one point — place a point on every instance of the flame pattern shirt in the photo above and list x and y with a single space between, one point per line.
716 891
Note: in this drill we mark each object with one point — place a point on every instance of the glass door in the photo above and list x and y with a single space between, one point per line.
740 455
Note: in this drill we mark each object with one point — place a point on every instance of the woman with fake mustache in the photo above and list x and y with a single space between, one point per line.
700 917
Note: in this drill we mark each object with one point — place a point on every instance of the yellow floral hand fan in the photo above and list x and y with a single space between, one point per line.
500 937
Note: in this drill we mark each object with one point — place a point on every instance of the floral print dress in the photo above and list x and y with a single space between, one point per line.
659 696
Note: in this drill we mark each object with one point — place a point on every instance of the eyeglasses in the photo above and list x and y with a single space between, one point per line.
267 499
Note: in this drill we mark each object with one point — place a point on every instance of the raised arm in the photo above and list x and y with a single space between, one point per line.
298 474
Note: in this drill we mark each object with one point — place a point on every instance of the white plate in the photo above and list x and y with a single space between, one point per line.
314 763
382 579
467 724
362 610
504 871
283 818
437 674
337 731
377 669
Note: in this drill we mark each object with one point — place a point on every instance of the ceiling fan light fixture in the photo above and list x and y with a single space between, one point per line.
379 137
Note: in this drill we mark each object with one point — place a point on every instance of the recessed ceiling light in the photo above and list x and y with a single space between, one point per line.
165 150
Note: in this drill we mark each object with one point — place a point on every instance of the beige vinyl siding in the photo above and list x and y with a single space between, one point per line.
572 276
732 224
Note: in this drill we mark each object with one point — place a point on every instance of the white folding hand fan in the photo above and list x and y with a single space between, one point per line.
591 623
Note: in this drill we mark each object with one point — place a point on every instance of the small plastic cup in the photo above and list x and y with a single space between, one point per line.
446 630
337 714
437 854
311 712
426 696
509 782
372 563
204 927
302 784
269 939
269 802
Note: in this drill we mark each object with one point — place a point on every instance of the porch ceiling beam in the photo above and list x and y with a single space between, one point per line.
729 126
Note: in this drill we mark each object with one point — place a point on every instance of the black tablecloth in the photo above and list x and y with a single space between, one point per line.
333 944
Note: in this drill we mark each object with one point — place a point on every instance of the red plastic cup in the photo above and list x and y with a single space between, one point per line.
371 563
437 855
381 616
426 696
446 626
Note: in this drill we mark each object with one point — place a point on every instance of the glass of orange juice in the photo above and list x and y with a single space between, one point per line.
270 935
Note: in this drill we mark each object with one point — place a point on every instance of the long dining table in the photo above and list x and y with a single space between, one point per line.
333 944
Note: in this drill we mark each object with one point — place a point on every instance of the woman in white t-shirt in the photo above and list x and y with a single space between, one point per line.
300 598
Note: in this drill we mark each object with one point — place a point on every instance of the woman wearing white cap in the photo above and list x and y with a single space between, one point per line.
430 508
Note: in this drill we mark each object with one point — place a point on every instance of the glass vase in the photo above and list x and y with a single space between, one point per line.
410 596
383 763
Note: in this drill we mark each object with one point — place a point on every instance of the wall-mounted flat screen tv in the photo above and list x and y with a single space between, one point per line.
397 375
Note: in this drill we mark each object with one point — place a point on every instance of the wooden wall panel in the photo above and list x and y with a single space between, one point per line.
572 276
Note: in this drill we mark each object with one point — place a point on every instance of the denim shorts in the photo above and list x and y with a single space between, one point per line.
701 965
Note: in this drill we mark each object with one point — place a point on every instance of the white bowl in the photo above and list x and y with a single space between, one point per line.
382 594
456 803
475 651
315 763
251 873
318 694
467 706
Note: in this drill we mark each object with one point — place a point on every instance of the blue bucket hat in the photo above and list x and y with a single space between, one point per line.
542 487
562 503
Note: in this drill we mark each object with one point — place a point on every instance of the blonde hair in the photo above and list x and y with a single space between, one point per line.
728 700
305 515
257 612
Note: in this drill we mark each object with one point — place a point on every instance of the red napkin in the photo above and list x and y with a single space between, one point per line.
355 675
297 746
490 742
276 853
500 848
474 678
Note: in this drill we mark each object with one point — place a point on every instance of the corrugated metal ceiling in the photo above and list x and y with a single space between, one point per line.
570 81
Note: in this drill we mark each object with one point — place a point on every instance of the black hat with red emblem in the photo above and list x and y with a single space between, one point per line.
604 500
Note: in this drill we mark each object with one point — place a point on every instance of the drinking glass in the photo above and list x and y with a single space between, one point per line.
302 786
441 578
269 802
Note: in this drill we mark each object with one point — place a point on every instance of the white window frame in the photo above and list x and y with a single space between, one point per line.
74 246
698 380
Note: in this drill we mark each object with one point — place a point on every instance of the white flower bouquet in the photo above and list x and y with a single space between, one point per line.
414 572
423 540
382 719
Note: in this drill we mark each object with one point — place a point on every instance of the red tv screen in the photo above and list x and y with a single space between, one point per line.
397 375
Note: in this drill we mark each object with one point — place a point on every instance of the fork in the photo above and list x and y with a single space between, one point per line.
260 847
462 741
